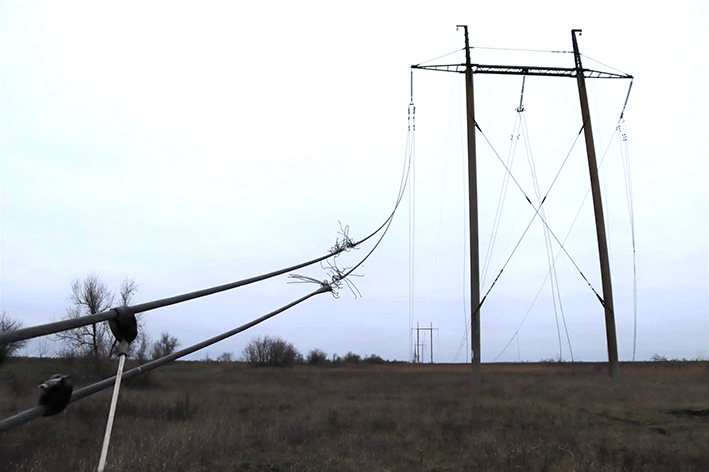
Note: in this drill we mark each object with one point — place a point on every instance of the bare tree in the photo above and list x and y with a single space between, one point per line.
140 349
271 351
128 289
43 350
316 357
88 297
164 346
225 357
8 324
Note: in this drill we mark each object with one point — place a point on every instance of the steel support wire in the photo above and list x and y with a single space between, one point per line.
600 299
568 233
37 411
64 325
536 213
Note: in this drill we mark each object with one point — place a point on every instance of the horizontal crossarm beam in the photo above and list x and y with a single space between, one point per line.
523 70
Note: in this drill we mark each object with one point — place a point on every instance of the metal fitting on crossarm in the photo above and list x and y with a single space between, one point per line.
56 393
124 326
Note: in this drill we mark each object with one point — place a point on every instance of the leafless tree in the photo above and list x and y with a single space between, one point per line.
88 297
128 289
271 351
164 346
225 357
141 348
8 324
316 357
43 350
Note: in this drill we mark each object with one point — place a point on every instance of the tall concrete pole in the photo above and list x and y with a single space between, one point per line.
418 350
611 339
473 218
431 329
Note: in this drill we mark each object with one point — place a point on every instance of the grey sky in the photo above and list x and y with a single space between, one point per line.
188 145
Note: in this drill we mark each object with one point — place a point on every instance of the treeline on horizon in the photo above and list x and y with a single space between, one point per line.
273 351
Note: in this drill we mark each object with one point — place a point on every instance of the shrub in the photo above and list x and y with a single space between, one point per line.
225 357
374 360
271 351
316 357
352 358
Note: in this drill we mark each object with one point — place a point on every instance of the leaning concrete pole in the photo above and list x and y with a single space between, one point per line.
611 339
473 217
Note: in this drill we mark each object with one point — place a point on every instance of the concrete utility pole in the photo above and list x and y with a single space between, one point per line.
475 341
611 338
418 356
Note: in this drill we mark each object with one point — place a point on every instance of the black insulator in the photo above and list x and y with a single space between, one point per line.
124 326
56 393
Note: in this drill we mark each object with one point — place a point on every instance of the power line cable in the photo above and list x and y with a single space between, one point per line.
522 50
578 212
64 325
547 243
439 57
501 200
604 65
625 158
40 410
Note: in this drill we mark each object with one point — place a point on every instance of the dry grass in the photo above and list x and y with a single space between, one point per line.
195 416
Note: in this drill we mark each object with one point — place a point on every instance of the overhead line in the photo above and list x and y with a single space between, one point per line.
37 411
523 50
64 325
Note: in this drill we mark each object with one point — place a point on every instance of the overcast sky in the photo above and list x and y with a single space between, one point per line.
187 145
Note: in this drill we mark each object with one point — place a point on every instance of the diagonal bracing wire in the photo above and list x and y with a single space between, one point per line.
467 326
501 270
600 299
37 411
583 201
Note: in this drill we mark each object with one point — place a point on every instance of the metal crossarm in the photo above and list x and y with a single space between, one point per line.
524 70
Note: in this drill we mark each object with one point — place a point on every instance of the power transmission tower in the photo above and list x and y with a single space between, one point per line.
580 74
431 329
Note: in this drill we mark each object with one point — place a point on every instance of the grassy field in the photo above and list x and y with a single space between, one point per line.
197 416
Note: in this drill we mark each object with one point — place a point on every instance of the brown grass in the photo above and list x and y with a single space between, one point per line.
195 416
